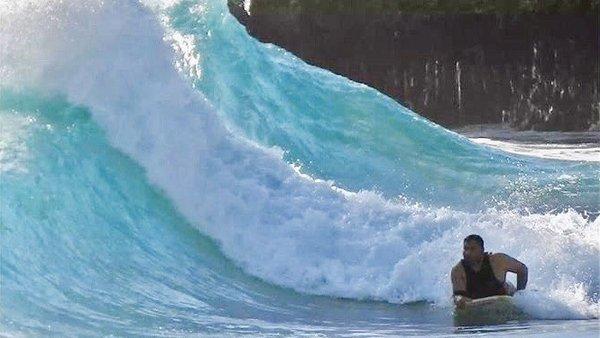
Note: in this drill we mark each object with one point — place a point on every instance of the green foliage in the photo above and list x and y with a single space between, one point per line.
426 6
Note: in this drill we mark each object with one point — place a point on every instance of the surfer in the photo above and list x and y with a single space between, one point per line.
481 274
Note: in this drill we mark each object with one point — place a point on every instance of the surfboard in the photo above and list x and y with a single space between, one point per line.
487 301
488 310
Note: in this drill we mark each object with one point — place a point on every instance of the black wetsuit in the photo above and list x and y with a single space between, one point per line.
482 283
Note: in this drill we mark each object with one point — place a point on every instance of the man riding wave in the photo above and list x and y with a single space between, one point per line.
481 274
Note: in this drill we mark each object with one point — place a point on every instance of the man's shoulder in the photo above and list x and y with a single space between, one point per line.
497 256
499 260
458 267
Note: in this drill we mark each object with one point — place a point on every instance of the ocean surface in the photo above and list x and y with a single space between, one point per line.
162 173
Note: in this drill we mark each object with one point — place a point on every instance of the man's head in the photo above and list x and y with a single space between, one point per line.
473 248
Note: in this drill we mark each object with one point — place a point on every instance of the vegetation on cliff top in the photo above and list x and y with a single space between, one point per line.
427 6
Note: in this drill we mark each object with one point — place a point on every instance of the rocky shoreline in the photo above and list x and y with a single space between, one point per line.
529 69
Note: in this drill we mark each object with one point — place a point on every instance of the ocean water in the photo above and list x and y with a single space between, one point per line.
162 173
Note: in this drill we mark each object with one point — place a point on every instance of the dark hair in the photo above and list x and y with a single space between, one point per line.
475 238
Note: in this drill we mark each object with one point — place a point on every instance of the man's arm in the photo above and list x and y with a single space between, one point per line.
513 265
459 286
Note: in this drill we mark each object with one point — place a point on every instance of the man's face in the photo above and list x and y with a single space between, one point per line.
472 252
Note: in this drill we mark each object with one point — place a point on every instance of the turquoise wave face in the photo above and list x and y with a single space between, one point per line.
89 248
349 133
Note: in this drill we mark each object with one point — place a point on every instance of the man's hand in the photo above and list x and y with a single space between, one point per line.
461 301
509 289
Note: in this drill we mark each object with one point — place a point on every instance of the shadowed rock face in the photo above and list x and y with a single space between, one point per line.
531 70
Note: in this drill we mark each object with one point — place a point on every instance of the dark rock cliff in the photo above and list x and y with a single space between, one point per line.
532 68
